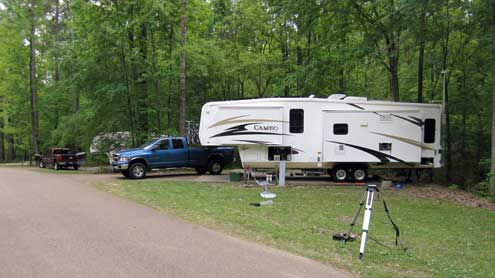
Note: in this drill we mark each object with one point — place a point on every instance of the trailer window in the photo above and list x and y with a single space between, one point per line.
429 131
296 119
340 129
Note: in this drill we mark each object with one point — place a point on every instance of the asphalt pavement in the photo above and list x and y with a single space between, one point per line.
56 225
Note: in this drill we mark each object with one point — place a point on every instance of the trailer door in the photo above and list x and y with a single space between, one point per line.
371 137
239 125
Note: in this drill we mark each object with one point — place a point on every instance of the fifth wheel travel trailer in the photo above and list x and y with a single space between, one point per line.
342 134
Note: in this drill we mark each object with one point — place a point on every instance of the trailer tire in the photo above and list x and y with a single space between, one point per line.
340 174
215 167
200 170
137 171
359 174
56 166
42 165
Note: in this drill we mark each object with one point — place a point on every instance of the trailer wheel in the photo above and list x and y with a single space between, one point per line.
340 174
215 167
137 171
42 165
359 174
56 166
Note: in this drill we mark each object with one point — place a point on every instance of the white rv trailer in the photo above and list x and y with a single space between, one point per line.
345 135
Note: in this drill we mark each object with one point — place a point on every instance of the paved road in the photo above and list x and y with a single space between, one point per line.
59 226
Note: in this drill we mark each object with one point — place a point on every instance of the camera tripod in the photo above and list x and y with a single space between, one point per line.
367 201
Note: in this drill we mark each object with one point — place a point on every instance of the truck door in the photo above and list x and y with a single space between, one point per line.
162 154
179 153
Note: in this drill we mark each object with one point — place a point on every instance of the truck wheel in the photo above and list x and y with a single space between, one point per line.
137 171
76 167
340 174
125 174
215 167
200 170
359 174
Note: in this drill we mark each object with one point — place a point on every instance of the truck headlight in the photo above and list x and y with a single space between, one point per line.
123 159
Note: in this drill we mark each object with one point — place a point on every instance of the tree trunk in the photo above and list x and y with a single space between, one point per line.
463 151
341 80
170 80
448 144
421 54
156 85
10 147
492 168
420 70
32 83
2 140
394 78
75 101
284 45
182 72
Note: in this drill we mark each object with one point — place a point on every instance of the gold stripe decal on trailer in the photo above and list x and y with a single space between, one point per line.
236 120
405 140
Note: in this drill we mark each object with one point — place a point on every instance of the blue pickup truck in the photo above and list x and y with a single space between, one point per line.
170 152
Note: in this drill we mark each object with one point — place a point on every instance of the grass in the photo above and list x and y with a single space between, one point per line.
444 239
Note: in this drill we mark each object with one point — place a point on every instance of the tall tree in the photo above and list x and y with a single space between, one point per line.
182 70
382 20
33 86
492 172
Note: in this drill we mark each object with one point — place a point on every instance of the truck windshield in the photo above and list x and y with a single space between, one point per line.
147 144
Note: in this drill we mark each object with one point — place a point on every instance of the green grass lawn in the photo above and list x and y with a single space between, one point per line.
444 239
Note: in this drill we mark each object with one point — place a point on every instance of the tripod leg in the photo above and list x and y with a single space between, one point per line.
356 214
367 218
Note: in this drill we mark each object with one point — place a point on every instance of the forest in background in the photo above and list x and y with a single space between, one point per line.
73 69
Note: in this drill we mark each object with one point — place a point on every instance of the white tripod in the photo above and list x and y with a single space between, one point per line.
369 195
367 217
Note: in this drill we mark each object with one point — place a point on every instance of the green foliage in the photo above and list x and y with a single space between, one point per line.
108 66
454 186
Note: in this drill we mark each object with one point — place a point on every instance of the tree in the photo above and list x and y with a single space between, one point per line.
182 70
383 19
492 172
33 86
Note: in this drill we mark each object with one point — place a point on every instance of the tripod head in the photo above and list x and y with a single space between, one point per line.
372 187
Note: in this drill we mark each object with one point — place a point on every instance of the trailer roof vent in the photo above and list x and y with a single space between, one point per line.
337 96
357 98
311 96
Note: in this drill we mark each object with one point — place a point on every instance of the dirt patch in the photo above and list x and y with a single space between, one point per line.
437 192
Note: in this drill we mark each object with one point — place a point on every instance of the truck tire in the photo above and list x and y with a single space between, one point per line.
126 173
359 174
340 174
76 167
137 171
215 167
200 170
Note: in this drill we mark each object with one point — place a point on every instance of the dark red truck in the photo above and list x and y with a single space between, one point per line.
60 158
